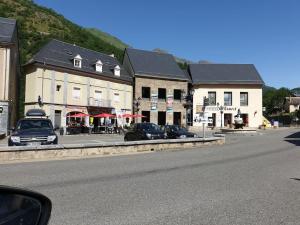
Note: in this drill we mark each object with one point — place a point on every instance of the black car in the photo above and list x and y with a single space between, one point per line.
33 130
144 131
175 131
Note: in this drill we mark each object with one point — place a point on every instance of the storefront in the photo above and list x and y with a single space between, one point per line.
228 90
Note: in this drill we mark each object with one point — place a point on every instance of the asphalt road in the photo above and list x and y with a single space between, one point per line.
250 180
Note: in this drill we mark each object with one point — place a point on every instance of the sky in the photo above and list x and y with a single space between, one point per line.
265 33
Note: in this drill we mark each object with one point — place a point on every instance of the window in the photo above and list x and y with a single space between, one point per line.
58 87
162 93
244 98
211 98
76 93
97 95
227 98
116 97
77 61
177 94
145 92
117 70
99 65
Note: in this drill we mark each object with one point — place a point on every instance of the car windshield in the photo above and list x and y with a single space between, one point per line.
150 127
34 124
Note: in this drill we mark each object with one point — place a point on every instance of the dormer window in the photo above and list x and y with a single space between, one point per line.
117 70
77 61
99 65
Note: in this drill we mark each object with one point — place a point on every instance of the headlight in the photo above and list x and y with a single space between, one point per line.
15 139
148 135
51 138
182 136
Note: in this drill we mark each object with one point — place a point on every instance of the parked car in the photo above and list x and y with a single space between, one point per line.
35 129
144 131
175 131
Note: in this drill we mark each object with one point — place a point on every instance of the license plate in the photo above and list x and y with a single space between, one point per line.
34 143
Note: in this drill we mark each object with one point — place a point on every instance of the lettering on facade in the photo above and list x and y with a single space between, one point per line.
170 103
154 98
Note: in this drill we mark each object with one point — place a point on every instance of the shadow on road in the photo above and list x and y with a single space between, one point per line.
293 178
293 138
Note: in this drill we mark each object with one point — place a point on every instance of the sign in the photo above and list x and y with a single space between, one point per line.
170 103
1 109
263 109
216 108
154 98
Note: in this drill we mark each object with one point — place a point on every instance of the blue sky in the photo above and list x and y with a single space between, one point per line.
263 32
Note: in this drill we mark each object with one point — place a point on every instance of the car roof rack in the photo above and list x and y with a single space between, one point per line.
35 113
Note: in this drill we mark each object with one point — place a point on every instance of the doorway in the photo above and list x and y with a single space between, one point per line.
245 119
57 119
161 118
227 119
146 116
177 118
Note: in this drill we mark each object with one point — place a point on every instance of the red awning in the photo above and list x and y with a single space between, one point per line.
78 115
104 115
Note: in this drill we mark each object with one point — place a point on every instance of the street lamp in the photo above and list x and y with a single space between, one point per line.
188 104
136 105
221 108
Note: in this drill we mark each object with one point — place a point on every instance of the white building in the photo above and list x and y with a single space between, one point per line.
229 88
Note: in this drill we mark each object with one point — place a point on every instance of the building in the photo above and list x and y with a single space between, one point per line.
159 85
65 79
292 104
229 88
9 74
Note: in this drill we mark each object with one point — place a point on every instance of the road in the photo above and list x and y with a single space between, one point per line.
249 180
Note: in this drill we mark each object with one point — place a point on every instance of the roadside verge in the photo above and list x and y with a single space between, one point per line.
28 153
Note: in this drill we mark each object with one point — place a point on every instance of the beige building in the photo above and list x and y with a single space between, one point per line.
65 79
229 89
9 74
159 86
292 104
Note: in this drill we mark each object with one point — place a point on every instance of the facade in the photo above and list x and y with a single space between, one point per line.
65 79
292 104
9 73
159 85
229 88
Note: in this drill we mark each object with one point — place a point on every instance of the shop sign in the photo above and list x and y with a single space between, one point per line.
216 108
154 98
170 100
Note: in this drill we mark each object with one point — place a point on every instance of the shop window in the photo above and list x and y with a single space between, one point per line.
162 93
244 98
177 94
145 92
228 98
212 98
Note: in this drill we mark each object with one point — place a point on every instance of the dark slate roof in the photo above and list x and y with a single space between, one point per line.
154 64
224 74
61 54
7 29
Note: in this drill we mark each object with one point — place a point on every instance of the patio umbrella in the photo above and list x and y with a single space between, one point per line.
78 115
104 115
127 116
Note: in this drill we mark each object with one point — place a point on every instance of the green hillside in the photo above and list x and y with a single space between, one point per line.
37 25
108 38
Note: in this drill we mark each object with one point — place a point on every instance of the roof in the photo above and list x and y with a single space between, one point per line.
7 29
61 54
154 64
293 100
225 74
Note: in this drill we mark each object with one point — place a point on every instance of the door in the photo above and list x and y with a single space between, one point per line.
177 118
57 119
227 119
161 119
146 116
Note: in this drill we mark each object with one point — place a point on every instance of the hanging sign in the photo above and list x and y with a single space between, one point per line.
170 100
154 98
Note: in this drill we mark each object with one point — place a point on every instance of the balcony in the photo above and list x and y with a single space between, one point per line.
100 102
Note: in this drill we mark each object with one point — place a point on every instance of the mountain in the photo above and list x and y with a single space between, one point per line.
108 38
37 25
